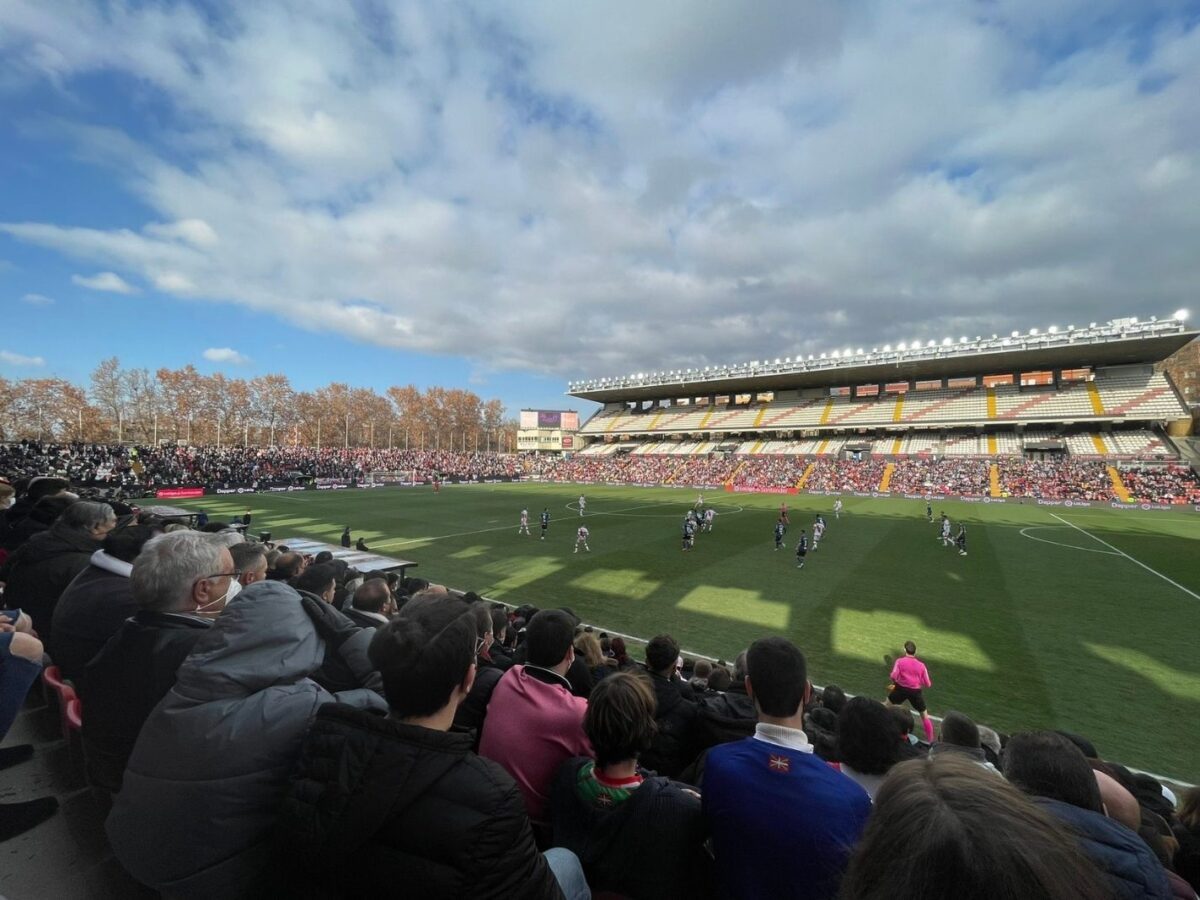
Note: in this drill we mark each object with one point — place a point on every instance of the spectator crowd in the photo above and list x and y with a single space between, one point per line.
269 724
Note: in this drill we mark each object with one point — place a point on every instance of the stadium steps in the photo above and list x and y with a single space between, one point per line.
787 412
654 422
1145 396
1028 404
808 470
886 481
855 410
1094 397
1118 486
933 407
991 441
991 403
613 424
1098 443
898 411
827 412
994 488
734 474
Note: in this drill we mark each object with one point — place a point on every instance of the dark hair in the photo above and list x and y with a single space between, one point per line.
867 736
48 509
833 698
719 679
944 828
778 676
959 729
246 555
424 653
45 486
620 717
739 667
1046 764
661 653
910 648
323 557
1085 746
499 624
618 649
904 719
548 637
1189 809
316 579
286 566
372 596
126 543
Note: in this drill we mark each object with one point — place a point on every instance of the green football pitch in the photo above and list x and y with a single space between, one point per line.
1082 619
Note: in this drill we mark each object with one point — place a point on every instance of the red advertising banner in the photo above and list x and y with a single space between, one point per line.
178 493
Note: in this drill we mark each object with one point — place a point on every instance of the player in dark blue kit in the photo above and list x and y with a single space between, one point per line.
801 550
961 539
928 509
780 529
545 521
689 533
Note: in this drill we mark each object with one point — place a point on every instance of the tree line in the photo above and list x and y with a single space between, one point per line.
185 406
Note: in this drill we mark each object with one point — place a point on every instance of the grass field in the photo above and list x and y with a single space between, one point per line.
1084 619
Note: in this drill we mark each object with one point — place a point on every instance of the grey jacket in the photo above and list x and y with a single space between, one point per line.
210 767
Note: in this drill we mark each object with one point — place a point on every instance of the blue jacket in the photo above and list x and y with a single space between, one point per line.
1132 869
783 822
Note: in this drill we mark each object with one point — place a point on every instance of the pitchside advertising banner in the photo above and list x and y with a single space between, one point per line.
181 493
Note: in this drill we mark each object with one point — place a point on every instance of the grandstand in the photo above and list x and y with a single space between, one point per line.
1080 394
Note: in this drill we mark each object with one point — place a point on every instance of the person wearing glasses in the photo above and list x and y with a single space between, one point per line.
381 805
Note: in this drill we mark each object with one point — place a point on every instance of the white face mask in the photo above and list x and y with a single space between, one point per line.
5 504
235 588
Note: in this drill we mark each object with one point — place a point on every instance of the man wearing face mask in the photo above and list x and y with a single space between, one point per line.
180 581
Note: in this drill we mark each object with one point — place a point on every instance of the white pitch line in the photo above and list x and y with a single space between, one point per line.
1187 591
1025 533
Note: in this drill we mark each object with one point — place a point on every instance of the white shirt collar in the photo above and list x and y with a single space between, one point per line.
102 560
792 738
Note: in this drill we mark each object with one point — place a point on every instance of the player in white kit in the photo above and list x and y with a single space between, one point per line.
947 541
581 537
582 504
818 530
524 529
709 515
837 508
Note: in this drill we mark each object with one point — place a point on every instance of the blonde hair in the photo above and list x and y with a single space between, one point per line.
589 646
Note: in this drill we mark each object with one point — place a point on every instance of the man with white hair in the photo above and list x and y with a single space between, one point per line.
180 581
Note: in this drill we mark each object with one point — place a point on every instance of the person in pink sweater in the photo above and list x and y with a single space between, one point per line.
909 676
534 724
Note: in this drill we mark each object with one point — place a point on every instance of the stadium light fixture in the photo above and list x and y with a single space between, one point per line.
835 354
1053 329
931 344
1181 315
887 348
946 342
1033 331
859 352
900 346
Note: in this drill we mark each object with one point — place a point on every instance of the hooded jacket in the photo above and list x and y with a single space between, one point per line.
89 612
673 746
379 808
210 767
42 568
1131 868
722 718
650 846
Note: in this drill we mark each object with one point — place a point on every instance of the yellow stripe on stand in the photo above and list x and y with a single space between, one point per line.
807 471
654 422
1098 443
994 480
991 402
1094 396
761 414
898 412
887 476
733 475
896 444
1118 486
992 445
756 447
613 424
821 449
828 411
679 468
708 415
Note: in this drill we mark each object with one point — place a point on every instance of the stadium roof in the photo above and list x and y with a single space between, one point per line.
1120 342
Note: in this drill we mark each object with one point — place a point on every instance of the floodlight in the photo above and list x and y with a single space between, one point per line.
1053 329
1133 319
900 346
946 342
1093 325
835 354
810 356
1033 331
822 356
887 348
931 343
1181 315
1015 333
963 340
860 351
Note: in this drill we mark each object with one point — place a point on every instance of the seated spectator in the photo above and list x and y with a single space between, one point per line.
372 605
213 760
1187 832
20 666
179 582
1056 774
728 716
319 579
403 797
534 723
699 679
720 680
910 746
249 558
868 743
502 636
96 604
40 570
636 833
673 746
621 655
944 830
782 821
471 713
36 508
959 734
587 646
287 567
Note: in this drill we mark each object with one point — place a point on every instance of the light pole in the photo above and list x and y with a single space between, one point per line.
347 432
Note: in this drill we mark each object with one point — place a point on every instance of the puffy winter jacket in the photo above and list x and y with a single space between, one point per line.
673 746
42 568
90 611
726 717
202 789
380 808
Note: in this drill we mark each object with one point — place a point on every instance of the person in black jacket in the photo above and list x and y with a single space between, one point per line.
727 716
637 834
379 803
673 745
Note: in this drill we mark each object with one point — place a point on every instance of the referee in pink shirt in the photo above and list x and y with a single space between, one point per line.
909 676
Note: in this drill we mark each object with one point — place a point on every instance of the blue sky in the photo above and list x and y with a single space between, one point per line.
505 196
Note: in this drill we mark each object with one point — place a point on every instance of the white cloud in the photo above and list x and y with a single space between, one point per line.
37 300
105 281
225 355
567 189
18 359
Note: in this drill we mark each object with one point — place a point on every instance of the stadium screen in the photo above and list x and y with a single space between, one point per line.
570 421
549 419
529 418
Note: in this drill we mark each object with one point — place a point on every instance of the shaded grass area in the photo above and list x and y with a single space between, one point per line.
1039 626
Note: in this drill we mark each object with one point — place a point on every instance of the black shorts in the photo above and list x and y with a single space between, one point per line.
800 554
913 695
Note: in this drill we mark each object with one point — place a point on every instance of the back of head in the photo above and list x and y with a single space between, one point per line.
323 557
45 486
86 515
248 556
833 698
720 679
903 718
945 828
1046 764
661 653
424 653
49 509
868 739
910 648
739 668
372 595
588 646
960 730
548 637
499 624
703 668
620 717
316 579
778 676
168 567
286 567
126 543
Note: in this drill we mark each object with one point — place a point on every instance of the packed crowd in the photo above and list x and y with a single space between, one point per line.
267 723
950 475
1165 484
1058 479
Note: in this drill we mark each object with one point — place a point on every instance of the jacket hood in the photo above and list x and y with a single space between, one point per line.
111 564
262 638
55 541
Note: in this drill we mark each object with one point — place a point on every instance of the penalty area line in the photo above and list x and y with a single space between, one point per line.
1120 552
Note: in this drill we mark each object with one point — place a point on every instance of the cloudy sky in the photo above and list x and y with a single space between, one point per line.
504 195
